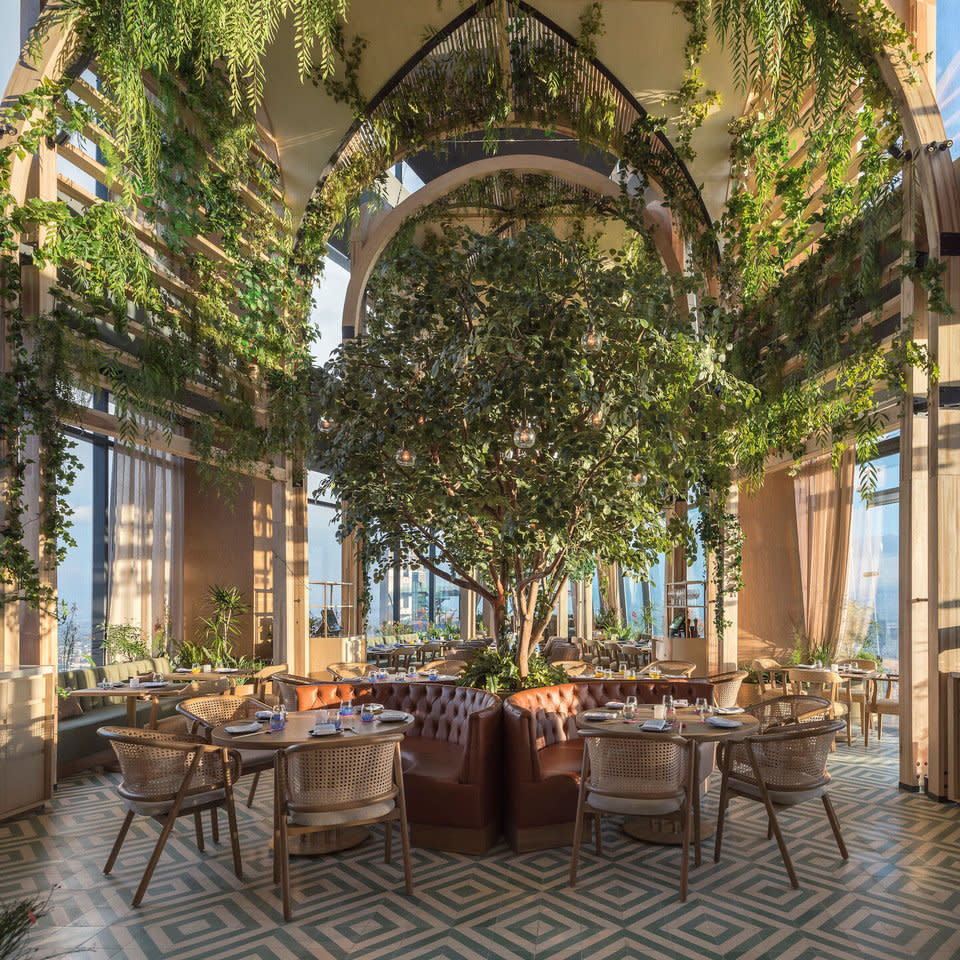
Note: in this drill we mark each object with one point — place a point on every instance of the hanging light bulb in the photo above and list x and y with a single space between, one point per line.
592 340
327 425
638 479
595 418
405 456
508 454
525 436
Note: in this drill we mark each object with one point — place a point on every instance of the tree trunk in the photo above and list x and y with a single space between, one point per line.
500 621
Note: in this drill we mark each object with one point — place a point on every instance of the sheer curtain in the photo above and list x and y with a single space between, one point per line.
146 540
823 497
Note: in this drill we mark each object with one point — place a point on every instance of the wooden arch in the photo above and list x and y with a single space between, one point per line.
384 226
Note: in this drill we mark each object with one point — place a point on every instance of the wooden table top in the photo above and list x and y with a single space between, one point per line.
298 730
126 690
688 725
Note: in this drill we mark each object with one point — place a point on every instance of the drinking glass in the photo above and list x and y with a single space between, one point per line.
278 719
194 667
346 708
668 707
630 710
703 708
366 713
332 716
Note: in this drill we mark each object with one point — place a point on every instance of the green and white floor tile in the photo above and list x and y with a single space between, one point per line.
898 896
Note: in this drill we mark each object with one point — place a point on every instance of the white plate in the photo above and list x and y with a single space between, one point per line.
723 723
244 728
183 670
596 715
153 684
226 670
721 711
614 705
393 716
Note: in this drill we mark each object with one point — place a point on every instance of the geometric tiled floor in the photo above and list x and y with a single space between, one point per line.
897 897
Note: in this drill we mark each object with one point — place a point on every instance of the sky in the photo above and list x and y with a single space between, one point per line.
948 67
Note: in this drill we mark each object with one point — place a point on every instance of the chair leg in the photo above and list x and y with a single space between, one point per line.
835 826
868 722
118 843
772 817
769 829
721 808
388 841
198 824
253 788
688 820
234 832
578 822
285 869
405 851
154 859
214 825
879 727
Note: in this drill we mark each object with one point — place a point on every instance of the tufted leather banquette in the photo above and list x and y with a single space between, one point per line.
452 767
544 750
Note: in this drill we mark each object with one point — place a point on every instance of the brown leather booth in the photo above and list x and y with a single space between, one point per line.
452 760
544 750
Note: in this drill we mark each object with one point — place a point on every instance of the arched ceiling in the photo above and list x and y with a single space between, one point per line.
642 46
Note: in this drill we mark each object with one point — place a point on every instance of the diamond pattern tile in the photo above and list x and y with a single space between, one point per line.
897 898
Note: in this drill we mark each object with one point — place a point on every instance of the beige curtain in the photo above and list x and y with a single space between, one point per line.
824 496
145 539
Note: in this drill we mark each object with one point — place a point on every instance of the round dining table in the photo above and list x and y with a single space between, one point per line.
298 730
687 725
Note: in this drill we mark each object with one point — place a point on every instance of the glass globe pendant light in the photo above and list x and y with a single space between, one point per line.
594 418
592 340
327 425
525 436
405 457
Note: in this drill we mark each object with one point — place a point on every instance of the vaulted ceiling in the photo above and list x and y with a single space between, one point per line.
641 46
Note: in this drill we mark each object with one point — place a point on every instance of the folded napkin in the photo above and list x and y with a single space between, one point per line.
655 726
324 730
244 728
723 722
183 670
600 715
226 670
723 710
615 705
153 684
674 676
681 703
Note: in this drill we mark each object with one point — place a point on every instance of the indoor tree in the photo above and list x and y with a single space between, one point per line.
520 407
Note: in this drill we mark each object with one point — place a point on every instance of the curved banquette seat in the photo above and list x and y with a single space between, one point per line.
544 751
452 762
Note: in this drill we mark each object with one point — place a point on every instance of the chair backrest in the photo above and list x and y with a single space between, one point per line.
861 664
726 687
155 764
679 667
883 693
825 683
450 668
318 777
791 759
573 668
561 650
205 713
790 709
648 767
766 671
350 670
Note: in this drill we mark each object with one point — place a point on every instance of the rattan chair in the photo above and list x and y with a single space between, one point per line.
574 668
679 667
432 650
450 668
888 704
639 776
351 670
856 690
780 768
726 687
821 683
789 710
770 677
334 784
264 676
204 713
166 776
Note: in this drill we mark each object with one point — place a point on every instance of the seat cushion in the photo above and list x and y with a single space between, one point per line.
153 808
786 797
334 818
432 759
634 806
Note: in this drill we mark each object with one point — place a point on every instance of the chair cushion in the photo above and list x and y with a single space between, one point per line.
562 759
634 806
786 797
335 818
153 808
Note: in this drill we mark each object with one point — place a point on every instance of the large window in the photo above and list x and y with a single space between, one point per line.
643 599
948 68
327 592
415 597
82 576
871 615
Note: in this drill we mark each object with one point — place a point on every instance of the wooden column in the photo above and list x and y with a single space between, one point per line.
295 573
468 614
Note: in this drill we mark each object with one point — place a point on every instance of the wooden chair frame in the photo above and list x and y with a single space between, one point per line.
282 830
195 749
684 814
799 732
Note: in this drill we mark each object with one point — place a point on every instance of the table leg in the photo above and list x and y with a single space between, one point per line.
696 805
131 711
154 712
